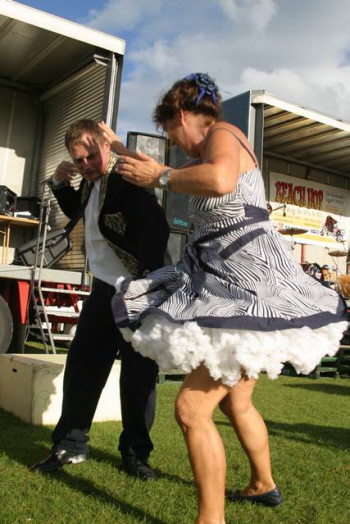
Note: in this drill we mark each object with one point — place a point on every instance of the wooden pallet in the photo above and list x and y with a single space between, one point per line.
173 374
344 360
336 366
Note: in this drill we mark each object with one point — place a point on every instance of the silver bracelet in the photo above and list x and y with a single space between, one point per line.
164 180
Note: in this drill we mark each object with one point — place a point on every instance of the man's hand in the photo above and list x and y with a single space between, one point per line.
65 170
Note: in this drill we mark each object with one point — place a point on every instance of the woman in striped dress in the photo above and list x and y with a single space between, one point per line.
235 304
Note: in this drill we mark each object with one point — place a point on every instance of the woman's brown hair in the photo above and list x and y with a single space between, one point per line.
197 93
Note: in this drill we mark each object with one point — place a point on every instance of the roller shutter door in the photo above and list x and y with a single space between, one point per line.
82 97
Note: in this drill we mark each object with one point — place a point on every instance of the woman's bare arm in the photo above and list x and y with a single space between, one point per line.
216 175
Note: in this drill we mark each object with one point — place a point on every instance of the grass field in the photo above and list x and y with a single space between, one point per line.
308 422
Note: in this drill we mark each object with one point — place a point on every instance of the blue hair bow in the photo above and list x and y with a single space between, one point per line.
206 86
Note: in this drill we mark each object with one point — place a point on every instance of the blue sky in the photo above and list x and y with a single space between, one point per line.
296 49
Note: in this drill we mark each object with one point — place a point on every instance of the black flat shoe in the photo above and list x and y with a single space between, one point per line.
57 460
138 468
270 498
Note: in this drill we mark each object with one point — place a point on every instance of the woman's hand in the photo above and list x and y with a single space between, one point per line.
143 172
109 134
117 145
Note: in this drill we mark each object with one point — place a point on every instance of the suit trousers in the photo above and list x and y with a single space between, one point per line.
96 345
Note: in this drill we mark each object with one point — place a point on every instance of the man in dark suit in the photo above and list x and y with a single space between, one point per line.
125 235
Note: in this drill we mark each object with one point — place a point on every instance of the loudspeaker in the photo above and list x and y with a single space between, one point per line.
176 205
58 243
8 201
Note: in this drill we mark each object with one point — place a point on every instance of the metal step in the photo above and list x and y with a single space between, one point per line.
61 336
65 314
66 291
55 336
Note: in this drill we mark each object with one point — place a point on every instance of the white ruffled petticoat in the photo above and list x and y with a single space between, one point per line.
226 352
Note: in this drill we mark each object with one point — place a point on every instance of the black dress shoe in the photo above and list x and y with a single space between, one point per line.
57 459
138 468
270 498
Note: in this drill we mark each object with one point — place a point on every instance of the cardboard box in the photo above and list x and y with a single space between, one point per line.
31 389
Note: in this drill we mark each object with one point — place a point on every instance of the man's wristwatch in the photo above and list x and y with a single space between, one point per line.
164 179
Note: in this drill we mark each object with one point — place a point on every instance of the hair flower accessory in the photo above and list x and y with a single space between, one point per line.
206 86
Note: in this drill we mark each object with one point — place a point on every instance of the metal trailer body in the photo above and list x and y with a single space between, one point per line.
298 142
52 72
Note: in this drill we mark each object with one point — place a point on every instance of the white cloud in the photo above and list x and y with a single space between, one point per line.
292 85
256 12
297 50
122 15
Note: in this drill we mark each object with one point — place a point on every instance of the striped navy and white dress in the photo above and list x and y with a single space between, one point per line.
235 301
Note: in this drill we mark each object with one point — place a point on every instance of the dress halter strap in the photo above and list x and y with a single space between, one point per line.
253 157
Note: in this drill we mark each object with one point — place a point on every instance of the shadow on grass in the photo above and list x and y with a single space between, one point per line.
116 461
19 443
326 436
22 442
88 488
332 389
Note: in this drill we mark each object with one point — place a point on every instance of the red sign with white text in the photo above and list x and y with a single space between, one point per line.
319 209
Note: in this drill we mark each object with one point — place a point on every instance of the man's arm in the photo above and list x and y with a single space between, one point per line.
68 198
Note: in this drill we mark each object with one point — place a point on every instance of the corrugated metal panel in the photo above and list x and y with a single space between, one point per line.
296 133
316 143
33 22
240 112
82 98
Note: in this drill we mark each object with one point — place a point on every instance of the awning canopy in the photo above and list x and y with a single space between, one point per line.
38 50
300 134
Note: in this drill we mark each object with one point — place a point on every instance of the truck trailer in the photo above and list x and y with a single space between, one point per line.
305 161
52 72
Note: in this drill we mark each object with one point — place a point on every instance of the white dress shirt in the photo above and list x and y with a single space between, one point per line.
103 262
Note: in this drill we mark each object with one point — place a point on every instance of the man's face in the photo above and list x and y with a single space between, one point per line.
90 157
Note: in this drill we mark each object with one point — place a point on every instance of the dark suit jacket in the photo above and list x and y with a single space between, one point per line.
131 220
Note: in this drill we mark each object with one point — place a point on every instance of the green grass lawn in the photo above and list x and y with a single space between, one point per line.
308 422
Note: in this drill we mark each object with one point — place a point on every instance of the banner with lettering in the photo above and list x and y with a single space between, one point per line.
322 211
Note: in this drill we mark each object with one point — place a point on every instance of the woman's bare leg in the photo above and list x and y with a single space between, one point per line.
252 434
196 401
